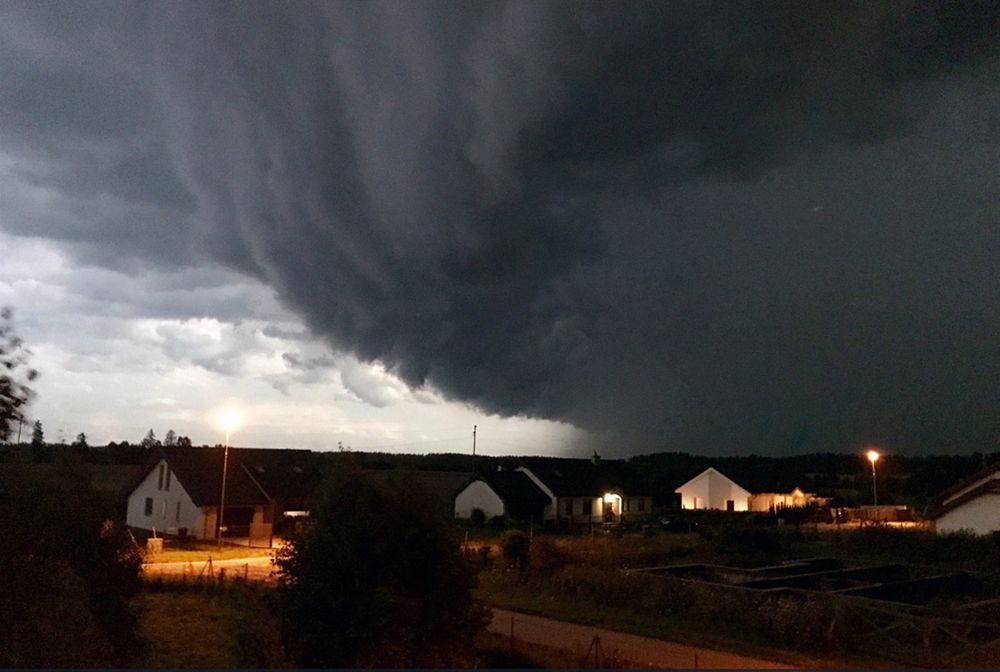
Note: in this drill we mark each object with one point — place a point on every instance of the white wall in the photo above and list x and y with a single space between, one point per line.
980 515
164 517
710 490
478 495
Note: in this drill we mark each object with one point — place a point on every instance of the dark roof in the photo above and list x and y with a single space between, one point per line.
441 486
515 487
582 478
254 476
937 507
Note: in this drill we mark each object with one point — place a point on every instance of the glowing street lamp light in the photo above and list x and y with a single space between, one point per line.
229 421
873 456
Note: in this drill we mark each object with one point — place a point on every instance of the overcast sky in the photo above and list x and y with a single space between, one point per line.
721 228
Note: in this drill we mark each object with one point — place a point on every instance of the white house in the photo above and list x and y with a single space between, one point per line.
583 492
713 490
180 492
972 505
159 502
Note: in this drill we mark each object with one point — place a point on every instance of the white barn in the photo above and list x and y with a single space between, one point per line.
713 490
972 505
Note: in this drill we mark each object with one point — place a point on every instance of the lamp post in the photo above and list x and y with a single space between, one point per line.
229 421
873 458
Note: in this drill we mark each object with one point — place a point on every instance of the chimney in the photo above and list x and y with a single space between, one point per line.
596 459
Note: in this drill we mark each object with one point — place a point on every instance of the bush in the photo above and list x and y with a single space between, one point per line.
499 522
67 569
516 548
477 518
376 581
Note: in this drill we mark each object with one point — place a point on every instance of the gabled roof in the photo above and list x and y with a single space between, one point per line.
582 478
947 500
710 470
514 487
254 476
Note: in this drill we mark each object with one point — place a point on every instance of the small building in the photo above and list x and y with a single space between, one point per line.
180 491
711 489
502 493
972 505
584 492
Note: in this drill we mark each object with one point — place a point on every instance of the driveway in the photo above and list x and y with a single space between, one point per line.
622 649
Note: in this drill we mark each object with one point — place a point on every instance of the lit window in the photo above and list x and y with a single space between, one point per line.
149 506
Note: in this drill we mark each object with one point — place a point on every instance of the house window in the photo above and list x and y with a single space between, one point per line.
642 503
159 481
167 486
149 506
177 515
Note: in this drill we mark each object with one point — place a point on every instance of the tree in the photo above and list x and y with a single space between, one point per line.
81 441
150 440
14 376
37 435
170 439
376 580
66 568
39 449
183 441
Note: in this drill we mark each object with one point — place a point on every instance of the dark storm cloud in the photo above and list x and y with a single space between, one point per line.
711 227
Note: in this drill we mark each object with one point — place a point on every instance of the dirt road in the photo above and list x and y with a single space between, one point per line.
254 569
618 647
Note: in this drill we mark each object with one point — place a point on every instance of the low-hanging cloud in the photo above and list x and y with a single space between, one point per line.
703 227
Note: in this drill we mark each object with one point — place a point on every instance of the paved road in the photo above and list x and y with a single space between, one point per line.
258 568
633 650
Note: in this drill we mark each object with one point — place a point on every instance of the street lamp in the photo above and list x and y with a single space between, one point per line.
229 420
873 458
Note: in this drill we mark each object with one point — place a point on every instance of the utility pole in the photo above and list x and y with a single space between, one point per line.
222 497
474 449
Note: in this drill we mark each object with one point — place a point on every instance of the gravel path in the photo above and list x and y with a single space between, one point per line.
619 648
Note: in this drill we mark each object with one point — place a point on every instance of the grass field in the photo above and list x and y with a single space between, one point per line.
203 629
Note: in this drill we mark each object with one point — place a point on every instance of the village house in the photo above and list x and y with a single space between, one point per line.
583 492
502 493
711 489
972 505
180 491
